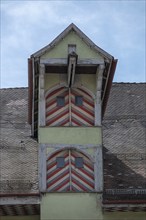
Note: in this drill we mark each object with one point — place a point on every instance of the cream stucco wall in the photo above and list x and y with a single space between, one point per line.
71 206
82 49
81 206
70 135
86 80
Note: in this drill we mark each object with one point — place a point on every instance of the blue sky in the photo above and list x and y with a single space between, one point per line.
118 27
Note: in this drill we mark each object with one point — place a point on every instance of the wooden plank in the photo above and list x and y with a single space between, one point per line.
99 77
15 200
64 61
98 169
42 109
42 168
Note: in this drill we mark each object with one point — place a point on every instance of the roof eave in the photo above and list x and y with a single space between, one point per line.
109 84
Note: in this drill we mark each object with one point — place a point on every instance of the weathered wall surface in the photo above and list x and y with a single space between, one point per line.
71 206
70 135
61 50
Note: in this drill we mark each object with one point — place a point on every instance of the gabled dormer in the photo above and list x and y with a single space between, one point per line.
69 85
69 78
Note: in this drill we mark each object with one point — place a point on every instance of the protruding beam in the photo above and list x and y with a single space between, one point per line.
72 60
63 61
99 77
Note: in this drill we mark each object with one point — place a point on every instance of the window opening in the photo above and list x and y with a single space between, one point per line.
71 48
60 162
70 172
79 100
60 101
79 162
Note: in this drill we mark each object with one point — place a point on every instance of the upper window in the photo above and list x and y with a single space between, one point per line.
69 107
79 100
79 162
60 162
60 101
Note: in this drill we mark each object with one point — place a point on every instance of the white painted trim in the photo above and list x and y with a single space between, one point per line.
33 94
15 200
57 145
42 109
64 61
54 61
99 78
42 168
98 169
109 69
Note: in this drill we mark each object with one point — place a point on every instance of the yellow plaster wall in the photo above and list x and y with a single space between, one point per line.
87 80
71 206
82 49
80 206
70 135
51 80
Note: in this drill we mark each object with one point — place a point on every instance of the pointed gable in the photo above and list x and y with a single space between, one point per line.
72 34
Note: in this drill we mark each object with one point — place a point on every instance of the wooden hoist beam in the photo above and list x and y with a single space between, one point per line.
72 61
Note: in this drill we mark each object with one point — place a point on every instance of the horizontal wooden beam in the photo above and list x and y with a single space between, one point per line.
64 61
20 200
61 146
79 69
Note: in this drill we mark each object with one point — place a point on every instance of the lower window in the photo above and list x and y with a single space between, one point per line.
70 170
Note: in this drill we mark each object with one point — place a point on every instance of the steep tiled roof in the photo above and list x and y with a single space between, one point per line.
18 151
123 138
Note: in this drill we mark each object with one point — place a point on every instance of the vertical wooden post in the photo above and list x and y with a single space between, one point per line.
99 77
33 95
70 105
42 168
98 169
42 110
70 177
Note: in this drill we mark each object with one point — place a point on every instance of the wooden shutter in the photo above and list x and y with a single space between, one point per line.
57 115
70 177
58 179
82 115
